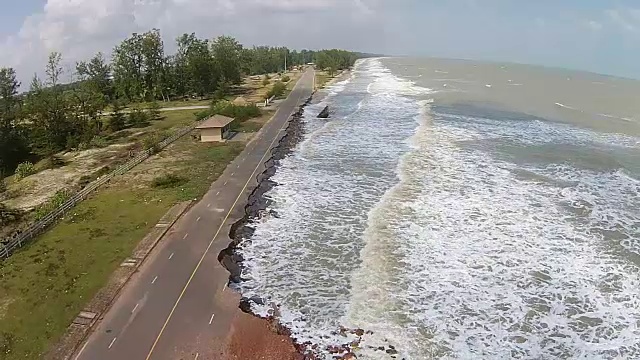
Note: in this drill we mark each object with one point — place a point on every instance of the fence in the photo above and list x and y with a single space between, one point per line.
41 225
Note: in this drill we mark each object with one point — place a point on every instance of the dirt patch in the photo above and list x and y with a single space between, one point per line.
36 189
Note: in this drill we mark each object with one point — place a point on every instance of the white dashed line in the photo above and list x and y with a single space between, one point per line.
134 309
154 280
198 219
211 320
196 358
185 235
218 192
170 256
112 341
208 205
225 183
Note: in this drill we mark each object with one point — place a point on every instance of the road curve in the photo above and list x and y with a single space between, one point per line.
177 305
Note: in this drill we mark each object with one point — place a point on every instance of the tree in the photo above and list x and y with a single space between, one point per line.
139 67
49 111
153 60
97 73
12 143
196 65
154 110
226 59
117 120
128 68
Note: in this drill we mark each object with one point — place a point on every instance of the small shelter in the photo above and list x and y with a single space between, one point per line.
215 128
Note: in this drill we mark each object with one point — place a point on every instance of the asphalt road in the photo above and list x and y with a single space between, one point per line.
177 305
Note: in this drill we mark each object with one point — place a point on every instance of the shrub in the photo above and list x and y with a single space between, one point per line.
168 181
266 81
277 90
153 111
117 120
201 115
55 202
285 78
152 142
25 169
99 142
238 112
138 118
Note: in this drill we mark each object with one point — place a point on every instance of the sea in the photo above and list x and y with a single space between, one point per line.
458 210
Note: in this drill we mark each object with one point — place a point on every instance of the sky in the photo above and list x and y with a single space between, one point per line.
594 35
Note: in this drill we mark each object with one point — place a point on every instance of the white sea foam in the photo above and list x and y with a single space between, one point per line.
496 266
617 117
566 106
486 242
302 259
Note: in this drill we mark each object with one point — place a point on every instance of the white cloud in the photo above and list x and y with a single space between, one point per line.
79 28
594 25
626 19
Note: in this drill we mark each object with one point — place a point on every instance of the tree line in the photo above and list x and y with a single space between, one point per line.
54 115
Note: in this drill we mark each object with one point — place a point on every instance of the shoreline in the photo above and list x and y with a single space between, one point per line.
252 336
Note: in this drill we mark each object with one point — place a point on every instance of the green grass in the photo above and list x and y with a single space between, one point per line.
321 79
164 104
46 284
173 119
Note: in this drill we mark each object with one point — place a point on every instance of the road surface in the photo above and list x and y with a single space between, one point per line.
177 306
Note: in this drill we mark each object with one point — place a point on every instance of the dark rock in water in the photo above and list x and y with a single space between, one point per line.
391 351
324 113
245 303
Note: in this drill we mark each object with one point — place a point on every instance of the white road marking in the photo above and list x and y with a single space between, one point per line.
134 309
237 166
211 320
198 219
112 341
196 358
170 256
225 183
224 287
154 280
218 192
232 173
187 234
81 350
208 205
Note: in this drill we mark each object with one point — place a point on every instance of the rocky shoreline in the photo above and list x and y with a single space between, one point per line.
256 207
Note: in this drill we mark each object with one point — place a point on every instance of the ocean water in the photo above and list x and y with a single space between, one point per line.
476 220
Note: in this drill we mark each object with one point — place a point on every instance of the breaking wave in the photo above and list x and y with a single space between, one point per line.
449 234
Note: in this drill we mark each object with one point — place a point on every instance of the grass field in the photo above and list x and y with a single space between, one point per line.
322 78
45 285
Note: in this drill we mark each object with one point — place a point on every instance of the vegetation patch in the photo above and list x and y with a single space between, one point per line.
168 181
57 274
277 90
240 113
24 169
55 202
